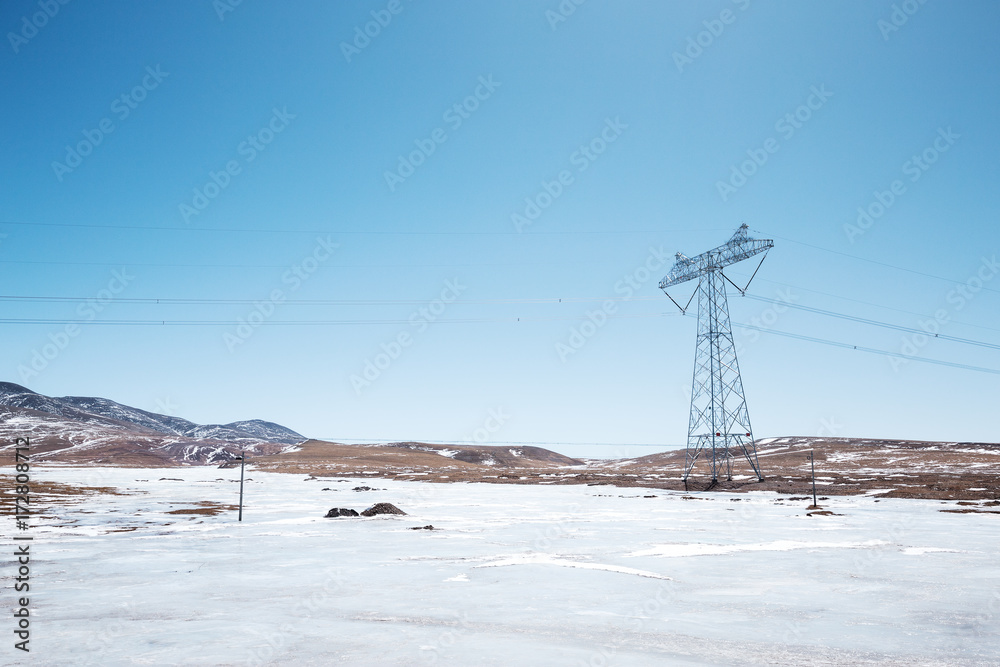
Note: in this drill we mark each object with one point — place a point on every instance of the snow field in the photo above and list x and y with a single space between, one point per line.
513 574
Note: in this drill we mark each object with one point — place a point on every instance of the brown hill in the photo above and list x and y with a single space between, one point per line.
844 466
410 459
890 468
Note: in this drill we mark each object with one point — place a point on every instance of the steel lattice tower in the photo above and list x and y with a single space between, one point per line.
719 421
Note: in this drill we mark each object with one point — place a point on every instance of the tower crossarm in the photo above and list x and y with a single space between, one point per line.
738 248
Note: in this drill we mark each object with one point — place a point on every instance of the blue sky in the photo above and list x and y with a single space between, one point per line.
243 160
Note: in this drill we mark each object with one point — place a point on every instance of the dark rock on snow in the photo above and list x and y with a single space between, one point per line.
340 511
382 508
376 509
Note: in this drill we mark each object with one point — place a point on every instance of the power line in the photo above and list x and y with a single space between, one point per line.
885 264
416 302
367 232
478 320
131 265
538 300
412 302
869 303
509 320
330 302
860 348
885 325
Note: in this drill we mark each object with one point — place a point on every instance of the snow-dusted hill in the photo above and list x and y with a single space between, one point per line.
88 429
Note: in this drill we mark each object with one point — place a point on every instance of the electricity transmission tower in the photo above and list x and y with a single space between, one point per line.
719 420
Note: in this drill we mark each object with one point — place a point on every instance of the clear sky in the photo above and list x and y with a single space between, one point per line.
441 182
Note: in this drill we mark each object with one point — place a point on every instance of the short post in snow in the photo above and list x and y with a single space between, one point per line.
812 460
242 460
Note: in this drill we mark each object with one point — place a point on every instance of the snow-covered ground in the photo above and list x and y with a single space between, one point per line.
512 575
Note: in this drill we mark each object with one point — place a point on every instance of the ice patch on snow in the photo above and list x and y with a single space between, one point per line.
546 559
680 550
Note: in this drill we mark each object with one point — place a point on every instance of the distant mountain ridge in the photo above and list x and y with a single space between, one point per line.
110 414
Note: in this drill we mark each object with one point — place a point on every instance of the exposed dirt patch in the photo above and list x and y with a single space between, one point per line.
205 508
44 495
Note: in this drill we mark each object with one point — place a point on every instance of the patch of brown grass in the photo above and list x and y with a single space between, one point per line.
45 495
205 508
